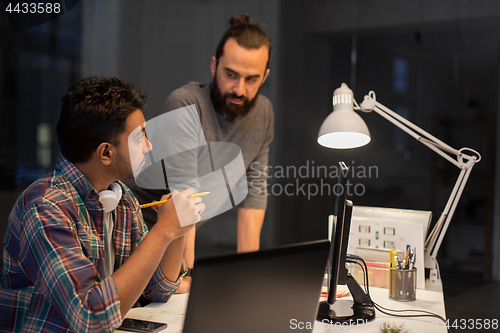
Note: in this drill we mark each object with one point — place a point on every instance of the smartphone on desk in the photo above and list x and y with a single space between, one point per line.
143 326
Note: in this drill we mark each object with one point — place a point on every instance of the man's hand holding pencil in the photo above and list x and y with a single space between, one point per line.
155 203
188 205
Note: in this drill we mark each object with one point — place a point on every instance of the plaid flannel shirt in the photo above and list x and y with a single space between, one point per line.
53 277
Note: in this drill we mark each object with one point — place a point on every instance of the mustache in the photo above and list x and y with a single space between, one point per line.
234 96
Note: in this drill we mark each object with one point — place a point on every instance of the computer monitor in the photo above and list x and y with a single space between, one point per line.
362 307
264 291
340 235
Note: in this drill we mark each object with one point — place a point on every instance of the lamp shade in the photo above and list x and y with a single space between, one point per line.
343 128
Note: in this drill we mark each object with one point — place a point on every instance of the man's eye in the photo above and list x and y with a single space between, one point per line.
251 79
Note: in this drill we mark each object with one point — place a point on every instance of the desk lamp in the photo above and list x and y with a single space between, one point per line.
344 129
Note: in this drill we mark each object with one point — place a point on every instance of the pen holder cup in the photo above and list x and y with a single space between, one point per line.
403 284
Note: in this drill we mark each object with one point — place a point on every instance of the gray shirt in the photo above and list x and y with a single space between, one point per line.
252 133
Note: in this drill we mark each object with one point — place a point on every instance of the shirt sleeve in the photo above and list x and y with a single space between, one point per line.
159 288
54 259
258 171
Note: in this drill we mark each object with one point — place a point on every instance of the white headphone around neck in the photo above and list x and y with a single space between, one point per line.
110 198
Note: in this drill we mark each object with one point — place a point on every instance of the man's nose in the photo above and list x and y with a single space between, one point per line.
148 146
239 87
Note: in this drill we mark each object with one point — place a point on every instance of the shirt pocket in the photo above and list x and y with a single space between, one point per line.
92 246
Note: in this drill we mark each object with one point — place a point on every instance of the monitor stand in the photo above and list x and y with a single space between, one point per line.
362 307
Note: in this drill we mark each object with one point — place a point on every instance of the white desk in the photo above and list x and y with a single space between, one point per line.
431 301
173 312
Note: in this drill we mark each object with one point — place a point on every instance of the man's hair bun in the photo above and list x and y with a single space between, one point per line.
247 34
240 19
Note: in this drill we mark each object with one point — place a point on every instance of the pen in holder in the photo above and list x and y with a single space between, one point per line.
403 284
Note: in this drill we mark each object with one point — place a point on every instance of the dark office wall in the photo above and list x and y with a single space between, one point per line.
450 54
37 65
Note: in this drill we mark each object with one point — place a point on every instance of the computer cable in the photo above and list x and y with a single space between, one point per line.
358 261
416 313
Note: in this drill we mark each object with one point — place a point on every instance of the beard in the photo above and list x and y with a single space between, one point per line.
226 109
124 167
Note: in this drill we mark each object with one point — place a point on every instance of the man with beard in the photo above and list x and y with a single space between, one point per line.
230 109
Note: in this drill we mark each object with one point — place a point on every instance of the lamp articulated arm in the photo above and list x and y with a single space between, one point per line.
463 161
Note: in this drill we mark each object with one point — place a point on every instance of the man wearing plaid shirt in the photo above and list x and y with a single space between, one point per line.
71 263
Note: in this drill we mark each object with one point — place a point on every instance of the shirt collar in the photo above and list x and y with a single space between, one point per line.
79 181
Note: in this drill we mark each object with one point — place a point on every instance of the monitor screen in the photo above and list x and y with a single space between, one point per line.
342 224
361 307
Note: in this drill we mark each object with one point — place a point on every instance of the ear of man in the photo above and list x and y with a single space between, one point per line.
213 66
266 74
104 153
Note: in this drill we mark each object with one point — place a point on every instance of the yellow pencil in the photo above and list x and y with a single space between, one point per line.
163 201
